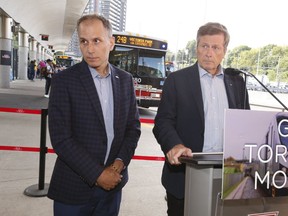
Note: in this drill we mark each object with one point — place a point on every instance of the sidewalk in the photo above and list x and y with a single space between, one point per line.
142 196
24 94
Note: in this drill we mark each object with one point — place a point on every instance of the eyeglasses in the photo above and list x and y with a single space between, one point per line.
215 48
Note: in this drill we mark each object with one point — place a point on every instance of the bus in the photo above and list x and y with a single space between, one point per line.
64 60
144 58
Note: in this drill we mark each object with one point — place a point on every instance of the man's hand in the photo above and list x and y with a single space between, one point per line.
109 178
177 151
118 165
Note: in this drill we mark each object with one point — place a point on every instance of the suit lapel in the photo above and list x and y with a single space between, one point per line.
89 86
115 78
196 90
230 91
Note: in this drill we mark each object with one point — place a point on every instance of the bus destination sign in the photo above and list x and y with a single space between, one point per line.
140 42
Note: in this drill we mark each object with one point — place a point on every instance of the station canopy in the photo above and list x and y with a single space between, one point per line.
53 18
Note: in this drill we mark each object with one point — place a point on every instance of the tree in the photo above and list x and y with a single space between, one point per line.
181 58
191 51
170 56
233 55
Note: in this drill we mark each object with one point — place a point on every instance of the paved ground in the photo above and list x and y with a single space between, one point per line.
143 195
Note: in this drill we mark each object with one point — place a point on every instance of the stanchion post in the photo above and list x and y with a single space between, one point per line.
40 189
43 149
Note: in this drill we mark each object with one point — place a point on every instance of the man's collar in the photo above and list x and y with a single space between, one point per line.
203 72
95 73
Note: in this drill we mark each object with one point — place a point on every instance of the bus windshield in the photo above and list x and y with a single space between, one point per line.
64 62
139 62
151 64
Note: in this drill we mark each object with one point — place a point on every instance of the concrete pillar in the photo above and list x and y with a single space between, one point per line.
42 53
5 50
39 57
46 54
32 49
23 50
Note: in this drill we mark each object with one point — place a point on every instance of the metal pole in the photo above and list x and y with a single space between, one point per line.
40 189
43 149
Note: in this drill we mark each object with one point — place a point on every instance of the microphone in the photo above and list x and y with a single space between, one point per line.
235 72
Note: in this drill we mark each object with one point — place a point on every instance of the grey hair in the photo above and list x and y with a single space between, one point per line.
106 23
214 28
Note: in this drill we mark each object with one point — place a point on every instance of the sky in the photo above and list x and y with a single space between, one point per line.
254 23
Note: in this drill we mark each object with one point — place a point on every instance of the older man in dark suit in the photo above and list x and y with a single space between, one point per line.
190 117
94 127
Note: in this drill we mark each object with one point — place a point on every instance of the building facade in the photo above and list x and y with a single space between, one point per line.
114 10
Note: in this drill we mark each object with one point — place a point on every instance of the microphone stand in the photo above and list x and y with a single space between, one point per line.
250 74
245 93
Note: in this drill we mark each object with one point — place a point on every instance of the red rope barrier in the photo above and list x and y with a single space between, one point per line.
145 120
29 111
149 158
19 148
17 110
35 149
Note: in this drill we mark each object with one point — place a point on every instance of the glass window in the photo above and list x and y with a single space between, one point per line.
124 58
139 62
151 64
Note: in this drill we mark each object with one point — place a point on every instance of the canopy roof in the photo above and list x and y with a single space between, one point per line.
56 18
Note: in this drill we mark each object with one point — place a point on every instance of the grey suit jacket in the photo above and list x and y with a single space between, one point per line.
180 118
78 134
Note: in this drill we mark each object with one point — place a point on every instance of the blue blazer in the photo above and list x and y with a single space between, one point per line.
78 134
180 118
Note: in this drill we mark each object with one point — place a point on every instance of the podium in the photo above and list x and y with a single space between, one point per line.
203 182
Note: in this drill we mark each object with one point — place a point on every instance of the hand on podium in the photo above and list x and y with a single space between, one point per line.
177 151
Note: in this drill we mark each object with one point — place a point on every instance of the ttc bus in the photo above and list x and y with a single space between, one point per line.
65 61
144 58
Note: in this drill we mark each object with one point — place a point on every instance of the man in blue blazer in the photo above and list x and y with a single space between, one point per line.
190 116
94 127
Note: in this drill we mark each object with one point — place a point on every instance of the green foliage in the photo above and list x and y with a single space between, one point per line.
270 60
170 56
229 170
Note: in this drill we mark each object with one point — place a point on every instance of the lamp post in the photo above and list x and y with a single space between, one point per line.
277 72
258 62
